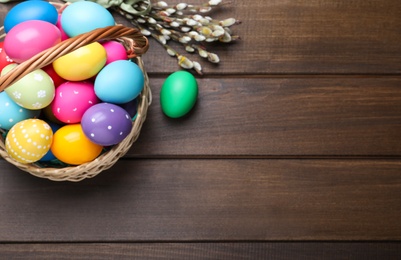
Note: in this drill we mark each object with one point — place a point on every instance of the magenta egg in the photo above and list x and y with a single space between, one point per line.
29 38
115 51
72 99
106 124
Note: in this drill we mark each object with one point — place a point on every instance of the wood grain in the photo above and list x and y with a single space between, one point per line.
292 149
304 37
229 251
208 200
297 116
300 37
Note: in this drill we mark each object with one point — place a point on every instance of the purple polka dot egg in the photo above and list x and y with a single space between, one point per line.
106 124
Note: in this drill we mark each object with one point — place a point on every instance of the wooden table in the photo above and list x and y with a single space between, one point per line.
292 152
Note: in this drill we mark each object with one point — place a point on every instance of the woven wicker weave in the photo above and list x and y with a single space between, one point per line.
136 45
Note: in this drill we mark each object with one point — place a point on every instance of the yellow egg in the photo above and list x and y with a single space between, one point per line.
82 63
29 140
71 146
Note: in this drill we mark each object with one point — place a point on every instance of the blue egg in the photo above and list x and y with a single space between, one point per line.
11 113
119 82
131 107
85 16
30 10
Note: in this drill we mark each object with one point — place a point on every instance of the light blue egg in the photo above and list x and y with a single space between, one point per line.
119 82
11 113
85 16
30 10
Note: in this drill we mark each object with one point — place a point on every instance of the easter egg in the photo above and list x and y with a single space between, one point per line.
131 107
72 100
106 124
57 80
29 38
33 91
71 146
119 82
81 64
49 156
4 58
11 113
85 16
29 140
47 114
30 10
64 36
115 51
178 94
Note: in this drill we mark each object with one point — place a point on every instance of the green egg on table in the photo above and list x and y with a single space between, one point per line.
178 94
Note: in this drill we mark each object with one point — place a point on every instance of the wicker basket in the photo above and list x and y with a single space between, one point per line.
136 44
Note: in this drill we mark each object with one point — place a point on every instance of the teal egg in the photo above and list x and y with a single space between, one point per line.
85 16
178 94
119 82
11 113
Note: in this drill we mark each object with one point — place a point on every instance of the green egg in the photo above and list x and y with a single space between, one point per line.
178 94
33 91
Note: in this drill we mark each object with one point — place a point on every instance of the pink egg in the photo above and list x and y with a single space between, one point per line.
115 51
72 100
29 38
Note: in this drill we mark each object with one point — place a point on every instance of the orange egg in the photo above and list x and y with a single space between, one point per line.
71 146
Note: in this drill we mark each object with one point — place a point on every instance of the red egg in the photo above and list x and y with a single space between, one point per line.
55 77
4 59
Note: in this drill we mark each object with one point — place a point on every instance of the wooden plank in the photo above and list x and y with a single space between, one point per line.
307 37
208 200
271 117
303 37
251 251
275 116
